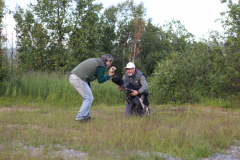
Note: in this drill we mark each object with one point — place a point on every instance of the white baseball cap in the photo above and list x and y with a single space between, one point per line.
130 65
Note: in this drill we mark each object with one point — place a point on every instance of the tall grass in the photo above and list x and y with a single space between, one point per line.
55 89
230 102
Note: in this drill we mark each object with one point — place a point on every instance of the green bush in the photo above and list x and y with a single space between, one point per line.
173 80
187 77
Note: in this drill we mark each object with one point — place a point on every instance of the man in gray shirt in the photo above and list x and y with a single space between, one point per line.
137 78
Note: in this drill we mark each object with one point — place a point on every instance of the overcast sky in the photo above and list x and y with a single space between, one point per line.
198 16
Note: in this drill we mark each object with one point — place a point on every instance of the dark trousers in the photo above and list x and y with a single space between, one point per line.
131 107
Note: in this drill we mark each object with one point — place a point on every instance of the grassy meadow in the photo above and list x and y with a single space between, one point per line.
55 89
38 121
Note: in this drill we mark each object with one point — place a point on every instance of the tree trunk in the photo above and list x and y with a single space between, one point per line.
134 51
16 54
12 55
6 49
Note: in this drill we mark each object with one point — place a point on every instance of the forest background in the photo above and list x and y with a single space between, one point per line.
55 36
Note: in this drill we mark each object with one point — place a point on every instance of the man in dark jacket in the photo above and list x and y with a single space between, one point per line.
86 72
137 78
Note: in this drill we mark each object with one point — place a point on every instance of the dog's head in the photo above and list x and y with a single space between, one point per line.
117 81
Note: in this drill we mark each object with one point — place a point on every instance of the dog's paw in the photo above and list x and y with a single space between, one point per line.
146 112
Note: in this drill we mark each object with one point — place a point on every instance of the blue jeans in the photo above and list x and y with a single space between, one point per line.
84 90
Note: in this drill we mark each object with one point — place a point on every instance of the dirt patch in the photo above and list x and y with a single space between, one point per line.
204 109
62 152
15 108
22 126
216 110
168 108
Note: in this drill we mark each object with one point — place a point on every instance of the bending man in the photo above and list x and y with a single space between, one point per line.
86 72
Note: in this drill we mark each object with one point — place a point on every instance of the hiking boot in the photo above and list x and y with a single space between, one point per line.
83 120
90 118
87 119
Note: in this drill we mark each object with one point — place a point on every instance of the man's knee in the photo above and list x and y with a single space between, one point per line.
91 98
128 109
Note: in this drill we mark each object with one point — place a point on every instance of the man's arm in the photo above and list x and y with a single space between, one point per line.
100 75
143 88
124 77
144 85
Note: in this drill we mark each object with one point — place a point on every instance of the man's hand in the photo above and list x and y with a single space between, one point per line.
110 73
119 88
134 93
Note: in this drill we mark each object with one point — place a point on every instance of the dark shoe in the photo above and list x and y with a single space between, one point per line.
90 118
84 120
87 119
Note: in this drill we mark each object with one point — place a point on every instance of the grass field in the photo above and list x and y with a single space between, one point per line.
38 113
187 132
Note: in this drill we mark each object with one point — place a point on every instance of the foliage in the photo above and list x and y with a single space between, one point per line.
159 42
129 15
119 31
209 67
109 19
231 65
187 77
2 8
4 70
33 39
135 45
56 35
173 79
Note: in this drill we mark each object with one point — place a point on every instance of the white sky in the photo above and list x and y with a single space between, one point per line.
198 16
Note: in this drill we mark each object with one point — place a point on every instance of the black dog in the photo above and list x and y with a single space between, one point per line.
127 88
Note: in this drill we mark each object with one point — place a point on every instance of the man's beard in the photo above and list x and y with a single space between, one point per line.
130 74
